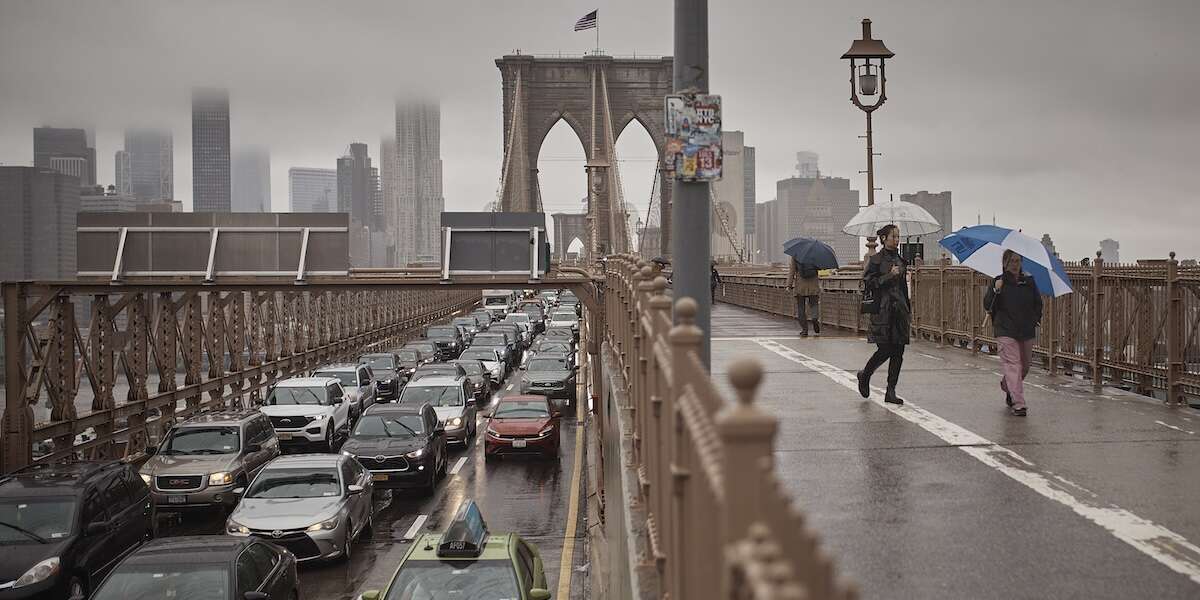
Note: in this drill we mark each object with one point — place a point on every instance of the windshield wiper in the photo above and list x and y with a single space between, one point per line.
27 532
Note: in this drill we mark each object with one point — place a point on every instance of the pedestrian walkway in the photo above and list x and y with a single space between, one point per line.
1090 496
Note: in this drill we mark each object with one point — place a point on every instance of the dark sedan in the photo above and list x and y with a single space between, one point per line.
447 340
402 446
479 376
213 567
387 371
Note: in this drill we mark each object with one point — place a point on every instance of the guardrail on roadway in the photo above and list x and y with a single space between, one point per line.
717 517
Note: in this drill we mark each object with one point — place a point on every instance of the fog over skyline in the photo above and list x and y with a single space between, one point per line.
1071 118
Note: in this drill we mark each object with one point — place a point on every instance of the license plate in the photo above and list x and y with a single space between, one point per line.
379 476
176 499
283 436
518 443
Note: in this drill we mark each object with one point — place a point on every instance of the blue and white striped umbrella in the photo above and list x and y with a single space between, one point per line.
982 248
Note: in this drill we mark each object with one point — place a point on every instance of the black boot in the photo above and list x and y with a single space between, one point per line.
864 384
816 326
891 398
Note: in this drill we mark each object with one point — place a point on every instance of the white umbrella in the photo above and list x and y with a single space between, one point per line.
910 218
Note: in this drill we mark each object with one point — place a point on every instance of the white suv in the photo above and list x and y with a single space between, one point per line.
308 410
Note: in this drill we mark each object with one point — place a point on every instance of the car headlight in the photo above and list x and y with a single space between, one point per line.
324 525
222 478
456 421
146 478
234 528
347 453
418 453
546 430
38 573
492 432
412 370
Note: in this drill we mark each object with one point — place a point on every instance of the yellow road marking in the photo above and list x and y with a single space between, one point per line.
568 551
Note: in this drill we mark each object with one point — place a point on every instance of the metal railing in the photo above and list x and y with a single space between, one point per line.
717 516
1135 326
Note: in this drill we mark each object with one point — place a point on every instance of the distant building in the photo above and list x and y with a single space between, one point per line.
807 165
651 242
37 233
939 207
729 199
52 142
750 198
419 177
389 184
768 247
121 173
817 208
312 190
151 164
74 166
99 199
164 206
1110 250
1048 243
210 151
354 184
251 186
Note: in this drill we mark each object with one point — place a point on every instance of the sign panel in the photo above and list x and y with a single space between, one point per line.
494 243
693 144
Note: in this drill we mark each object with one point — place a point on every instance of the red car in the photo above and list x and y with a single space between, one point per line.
522 424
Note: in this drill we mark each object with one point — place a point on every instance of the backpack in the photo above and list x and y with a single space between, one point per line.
808 271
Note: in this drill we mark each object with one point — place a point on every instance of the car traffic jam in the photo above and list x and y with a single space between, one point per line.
296 480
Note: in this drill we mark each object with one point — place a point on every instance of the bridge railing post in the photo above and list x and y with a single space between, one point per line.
1175 334
1096 352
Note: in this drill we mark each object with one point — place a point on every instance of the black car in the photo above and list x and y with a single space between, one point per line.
403 446
215 567
411 358
484 315
552 377
427 347
63 526
470 324
388 372
501 342
447 339
478 376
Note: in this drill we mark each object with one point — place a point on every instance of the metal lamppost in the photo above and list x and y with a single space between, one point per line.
868 79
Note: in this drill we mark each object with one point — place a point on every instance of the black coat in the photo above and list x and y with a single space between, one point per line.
1017 310
892 323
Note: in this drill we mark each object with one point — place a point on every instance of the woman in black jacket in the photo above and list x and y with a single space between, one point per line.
1015 304
885 275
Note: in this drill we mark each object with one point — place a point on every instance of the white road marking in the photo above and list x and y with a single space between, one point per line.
1179 429
459 464
1167 547
510 387
416 527
932 356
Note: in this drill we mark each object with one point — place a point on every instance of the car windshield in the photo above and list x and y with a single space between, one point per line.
35 520
562 316
491 340
496 301
393 426
554 347
202 440
462 580
386 363
408 355
283 396
472 367
521 409
518 317
442 395
439 371
440 332
546 364
346 377
175 580
294 483
464 321
480 354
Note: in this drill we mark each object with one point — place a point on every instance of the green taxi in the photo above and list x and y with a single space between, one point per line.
467 562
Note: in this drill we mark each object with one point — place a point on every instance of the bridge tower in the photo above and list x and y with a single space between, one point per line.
597 96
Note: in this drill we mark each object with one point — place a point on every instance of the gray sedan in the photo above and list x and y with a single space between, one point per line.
312 504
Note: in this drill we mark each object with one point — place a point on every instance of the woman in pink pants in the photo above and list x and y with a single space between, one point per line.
1015 304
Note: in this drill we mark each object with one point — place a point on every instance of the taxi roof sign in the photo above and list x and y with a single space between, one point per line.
467 534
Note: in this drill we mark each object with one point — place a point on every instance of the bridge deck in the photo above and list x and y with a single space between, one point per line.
1092 495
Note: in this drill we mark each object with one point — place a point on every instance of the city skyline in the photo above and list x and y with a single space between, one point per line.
1009 149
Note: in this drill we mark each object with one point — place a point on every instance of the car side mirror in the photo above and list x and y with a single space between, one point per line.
96 528
256 595
575 368
338 400
252 448
354 488
539 594
370 595
151 450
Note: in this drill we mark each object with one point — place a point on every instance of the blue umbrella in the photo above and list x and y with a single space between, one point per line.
981 247
808 251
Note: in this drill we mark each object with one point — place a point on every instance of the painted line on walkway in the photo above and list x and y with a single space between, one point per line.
510 387
458 465
1179 429
1167 547
932 356
416 527
568 551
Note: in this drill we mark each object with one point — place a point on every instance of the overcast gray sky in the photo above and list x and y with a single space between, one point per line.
1071 117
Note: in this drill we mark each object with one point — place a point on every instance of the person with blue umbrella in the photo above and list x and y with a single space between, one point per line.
809 256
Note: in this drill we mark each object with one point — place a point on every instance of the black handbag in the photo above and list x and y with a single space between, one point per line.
870 301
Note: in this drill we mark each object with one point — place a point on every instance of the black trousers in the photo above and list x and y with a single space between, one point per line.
893 354
813 303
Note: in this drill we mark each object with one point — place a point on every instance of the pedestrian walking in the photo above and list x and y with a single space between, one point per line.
1015 305
804 283
714 280
885 279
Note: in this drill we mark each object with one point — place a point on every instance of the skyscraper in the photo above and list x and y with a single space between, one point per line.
251 171
939 207
354 184
749 193
807 165
122 177
210 150
1048 244
1110 250
37 233
817 208
419 177
54 142
729 199
151 164
312 190
75 166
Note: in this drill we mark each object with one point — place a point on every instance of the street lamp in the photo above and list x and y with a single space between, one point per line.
868 79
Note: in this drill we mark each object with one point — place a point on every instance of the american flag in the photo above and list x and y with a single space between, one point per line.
587 22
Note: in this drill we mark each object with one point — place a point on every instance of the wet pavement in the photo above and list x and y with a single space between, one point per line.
528 496
1090 496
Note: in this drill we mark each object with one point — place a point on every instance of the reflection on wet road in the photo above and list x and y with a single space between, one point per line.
524 495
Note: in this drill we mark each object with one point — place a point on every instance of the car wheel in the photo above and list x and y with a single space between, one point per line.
329 436
348 542
369 527
76 590
445 463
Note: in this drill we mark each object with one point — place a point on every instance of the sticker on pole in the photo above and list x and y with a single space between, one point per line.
693 151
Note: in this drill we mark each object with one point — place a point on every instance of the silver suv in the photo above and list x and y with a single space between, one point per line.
202 460
358 382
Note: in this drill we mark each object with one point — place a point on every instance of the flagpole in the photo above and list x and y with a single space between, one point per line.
597 33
